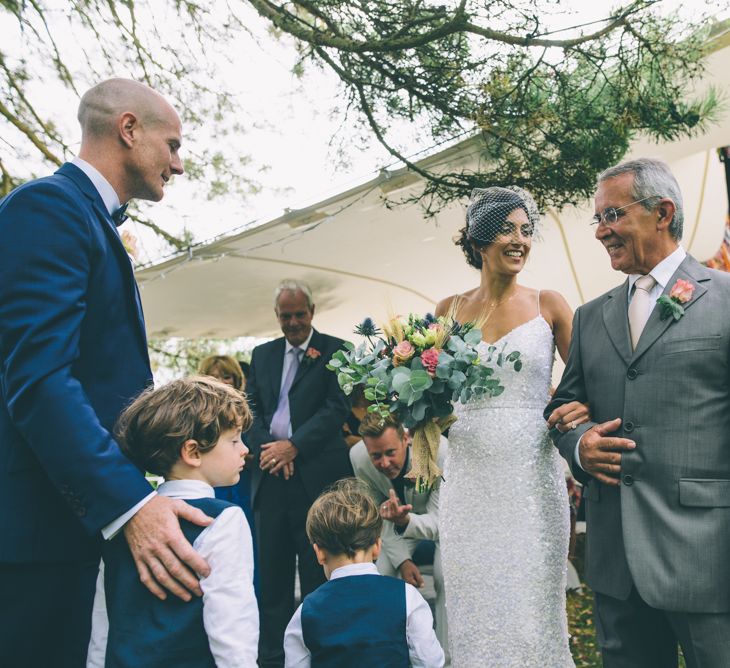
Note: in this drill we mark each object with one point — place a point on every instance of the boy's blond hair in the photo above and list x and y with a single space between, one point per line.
153 428
344 519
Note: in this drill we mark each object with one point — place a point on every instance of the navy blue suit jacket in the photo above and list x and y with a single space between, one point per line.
318 410
73 353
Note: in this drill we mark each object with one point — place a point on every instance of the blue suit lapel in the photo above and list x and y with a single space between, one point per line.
73 173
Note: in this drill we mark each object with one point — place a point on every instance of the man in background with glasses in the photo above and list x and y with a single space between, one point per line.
656 457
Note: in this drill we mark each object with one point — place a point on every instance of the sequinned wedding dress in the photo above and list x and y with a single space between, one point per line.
504 520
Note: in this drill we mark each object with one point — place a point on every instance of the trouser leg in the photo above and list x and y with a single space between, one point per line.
276 571
385 565
311 574
631 634
704 637
442 629
45 614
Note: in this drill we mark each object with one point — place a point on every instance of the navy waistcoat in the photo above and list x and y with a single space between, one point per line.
145 632
357 621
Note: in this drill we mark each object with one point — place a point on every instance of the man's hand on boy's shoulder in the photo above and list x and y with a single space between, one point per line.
165 559
410 573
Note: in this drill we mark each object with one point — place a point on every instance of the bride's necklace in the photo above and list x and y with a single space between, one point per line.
492 308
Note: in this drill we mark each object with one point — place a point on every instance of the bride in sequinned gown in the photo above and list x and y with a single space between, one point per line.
504 516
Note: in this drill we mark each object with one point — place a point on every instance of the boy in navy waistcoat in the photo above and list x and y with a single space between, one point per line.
359 619
189 432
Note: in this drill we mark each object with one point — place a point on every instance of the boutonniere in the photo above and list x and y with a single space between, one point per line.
671 304
130 245
311 355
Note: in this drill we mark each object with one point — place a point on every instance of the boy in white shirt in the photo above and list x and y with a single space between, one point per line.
359 618
189 432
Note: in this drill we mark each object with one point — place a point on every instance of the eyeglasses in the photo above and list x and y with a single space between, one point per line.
610 215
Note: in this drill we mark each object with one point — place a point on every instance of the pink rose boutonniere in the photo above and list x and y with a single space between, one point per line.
311 355
671 304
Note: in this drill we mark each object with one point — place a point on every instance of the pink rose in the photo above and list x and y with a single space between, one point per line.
430 359
682 291
402 353
437 326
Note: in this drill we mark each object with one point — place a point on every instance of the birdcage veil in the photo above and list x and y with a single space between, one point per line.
489 207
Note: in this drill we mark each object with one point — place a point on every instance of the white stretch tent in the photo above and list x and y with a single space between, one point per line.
363 259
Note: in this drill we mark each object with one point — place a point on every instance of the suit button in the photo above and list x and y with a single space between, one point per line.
628 480
632 374
629 427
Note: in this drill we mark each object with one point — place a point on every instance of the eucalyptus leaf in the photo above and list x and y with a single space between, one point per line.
416 364
419 411
443 371
473 337
420 380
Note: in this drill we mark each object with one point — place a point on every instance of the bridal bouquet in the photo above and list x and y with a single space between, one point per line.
418 367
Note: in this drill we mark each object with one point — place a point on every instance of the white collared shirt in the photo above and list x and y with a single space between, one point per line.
230 611
662 274
108 194
424 649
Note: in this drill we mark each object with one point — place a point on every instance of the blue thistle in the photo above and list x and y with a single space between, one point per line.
367 328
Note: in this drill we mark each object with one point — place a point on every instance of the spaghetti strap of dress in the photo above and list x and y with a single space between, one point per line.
538 304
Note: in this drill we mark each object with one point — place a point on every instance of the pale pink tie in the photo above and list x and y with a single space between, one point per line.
640 307
281 419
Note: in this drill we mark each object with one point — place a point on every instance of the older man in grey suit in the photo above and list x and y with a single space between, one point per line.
382 459
656 457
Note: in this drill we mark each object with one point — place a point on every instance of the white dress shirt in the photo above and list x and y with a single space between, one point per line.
230 611
662 274
424 650
108 194
288 361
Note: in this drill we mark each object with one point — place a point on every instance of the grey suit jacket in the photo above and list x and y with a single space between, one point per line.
666 527
424 520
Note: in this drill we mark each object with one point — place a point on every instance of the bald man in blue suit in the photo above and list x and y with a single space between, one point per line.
73 353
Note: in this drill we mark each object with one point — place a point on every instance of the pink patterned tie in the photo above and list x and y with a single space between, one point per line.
282 418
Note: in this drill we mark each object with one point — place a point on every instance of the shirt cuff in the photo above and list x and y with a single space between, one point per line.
113 528
576 456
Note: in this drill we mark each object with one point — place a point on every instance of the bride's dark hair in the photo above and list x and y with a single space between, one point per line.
469 247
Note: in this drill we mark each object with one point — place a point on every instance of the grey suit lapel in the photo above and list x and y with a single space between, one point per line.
690 270
616 320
